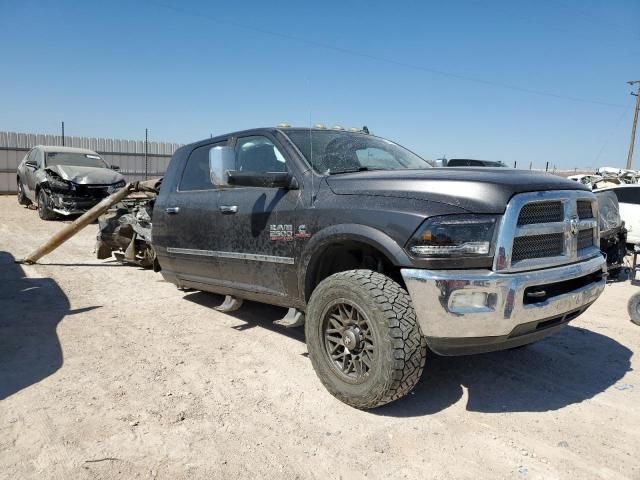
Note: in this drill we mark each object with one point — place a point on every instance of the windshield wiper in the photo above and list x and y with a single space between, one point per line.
355 169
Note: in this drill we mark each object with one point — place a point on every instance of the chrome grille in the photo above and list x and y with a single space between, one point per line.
537 246
541 212
585 209
547 229
585 238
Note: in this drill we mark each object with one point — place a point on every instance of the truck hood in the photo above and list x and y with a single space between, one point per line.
86 175
477 190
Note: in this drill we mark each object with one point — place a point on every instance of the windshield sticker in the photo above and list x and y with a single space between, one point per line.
92 156
281 232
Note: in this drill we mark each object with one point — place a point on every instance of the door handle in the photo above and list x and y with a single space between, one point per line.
229 209
172 210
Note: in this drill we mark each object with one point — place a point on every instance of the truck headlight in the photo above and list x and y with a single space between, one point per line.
454 236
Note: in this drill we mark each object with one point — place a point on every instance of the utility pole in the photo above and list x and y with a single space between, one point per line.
63 134
146 149
635 122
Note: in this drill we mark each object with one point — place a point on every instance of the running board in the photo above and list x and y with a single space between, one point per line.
293 318
230 304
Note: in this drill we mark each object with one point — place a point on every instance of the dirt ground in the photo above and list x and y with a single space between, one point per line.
106 371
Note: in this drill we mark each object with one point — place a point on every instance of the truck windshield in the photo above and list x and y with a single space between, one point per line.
75 159
333 152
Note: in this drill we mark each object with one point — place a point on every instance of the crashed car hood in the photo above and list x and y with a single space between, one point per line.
478 190
86 175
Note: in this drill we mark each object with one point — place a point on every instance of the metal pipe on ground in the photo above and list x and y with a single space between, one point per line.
85 219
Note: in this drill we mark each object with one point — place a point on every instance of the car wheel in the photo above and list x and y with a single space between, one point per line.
22 197
633 307
363 338
44 206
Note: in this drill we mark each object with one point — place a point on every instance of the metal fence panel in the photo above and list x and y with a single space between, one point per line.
127 154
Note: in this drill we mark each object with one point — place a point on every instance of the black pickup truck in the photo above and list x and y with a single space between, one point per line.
379 254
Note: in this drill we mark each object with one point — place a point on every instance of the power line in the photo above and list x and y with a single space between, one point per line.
390 61
613 130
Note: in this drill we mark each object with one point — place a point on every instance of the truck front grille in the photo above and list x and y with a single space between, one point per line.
585 238
585 209
541 212
537 246
547 229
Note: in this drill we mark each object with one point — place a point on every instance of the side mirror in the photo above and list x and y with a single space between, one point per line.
222 159
115 167
31 163
264 180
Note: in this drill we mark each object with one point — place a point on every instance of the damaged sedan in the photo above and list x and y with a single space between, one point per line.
65 181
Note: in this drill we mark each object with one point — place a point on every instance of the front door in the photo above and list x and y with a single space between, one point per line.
259 225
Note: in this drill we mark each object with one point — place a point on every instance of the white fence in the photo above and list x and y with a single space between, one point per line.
129 155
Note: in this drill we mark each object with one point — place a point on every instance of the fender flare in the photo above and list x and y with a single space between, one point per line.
351 231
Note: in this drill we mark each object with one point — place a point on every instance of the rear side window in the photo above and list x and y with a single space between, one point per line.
196 172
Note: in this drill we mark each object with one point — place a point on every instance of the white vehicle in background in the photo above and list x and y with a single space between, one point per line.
629 201
588 180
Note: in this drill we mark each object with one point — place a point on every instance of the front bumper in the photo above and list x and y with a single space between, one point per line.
65 204
514 312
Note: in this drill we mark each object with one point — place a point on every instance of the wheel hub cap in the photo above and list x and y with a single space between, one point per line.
352 339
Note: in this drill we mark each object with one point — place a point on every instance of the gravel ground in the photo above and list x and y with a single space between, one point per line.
106 371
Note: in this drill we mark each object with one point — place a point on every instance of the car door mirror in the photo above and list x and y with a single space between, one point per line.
222 159
263 179
115 167
31 163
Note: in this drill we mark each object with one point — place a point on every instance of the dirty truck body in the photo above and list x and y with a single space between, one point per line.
384 254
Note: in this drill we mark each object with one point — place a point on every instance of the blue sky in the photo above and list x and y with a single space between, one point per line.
504 80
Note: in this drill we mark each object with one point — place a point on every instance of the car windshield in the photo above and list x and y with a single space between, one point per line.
75 159
333 152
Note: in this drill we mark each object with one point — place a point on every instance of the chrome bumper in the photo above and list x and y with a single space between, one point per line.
436 294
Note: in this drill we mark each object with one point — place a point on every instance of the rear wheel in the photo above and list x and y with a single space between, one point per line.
44 206
22 196
363 338
633 307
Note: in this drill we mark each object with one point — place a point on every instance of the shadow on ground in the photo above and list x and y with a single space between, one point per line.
572 366
30 310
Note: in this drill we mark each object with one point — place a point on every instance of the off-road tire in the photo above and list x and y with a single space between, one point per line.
633 307
22 197
44 206
399 350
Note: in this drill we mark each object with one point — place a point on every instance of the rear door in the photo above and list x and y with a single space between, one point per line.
190 218
259 225
629 201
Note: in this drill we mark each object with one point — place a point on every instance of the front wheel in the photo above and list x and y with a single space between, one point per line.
44 206
363 338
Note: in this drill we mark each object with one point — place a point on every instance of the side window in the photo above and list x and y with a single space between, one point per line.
628 195
31 156
196 172
258 154
38 156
